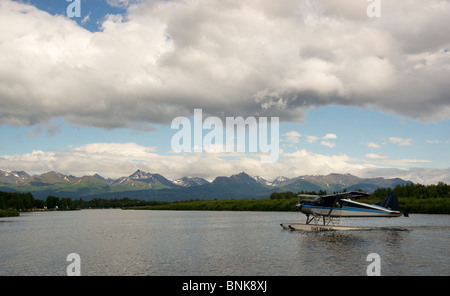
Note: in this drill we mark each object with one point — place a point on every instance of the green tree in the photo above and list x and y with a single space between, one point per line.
52 202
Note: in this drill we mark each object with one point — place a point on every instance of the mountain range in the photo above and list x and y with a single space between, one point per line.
152 186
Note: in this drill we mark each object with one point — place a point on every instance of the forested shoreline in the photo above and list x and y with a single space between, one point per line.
12 203
414 198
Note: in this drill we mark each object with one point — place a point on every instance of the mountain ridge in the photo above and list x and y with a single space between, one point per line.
153 186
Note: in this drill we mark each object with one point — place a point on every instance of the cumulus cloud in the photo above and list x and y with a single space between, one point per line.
249 58
120 3
311 139
400 141
329 136
328 144
122 159
373 145
376 156
414 174
107 158
292 136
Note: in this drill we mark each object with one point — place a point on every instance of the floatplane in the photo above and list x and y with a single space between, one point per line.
330 208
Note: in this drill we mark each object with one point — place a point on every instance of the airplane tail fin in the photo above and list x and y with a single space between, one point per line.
390 202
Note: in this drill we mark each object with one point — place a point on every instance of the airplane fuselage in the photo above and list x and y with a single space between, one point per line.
346 208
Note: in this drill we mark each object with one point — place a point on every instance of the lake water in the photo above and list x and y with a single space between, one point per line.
196 243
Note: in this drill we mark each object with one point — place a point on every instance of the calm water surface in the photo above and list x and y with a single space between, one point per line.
192 243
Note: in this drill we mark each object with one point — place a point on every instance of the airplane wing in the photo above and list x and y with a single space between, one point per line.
351 194
337 196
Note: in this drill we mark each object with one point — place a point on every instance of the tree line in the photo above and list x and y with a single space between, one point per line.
418 191
25 201
410 190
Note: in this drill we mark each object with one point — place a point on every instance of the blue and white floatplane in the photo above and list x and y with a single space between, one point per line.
330 208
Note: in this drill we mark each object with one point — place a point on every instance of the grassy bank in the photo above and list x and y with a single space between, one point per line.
425 206
9 213
418 205
412 205
225 205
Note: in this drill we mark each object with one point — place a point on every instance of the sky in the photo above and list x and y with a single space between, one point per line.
94 86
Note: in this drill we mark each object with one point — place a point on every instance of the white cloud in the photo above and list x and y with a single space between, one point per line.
292 136
120 3
311 139
329 136
433 141
272 58
86 18
400 141
376 156
107 158
122 159
373 145
328 144
414 174
385 161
